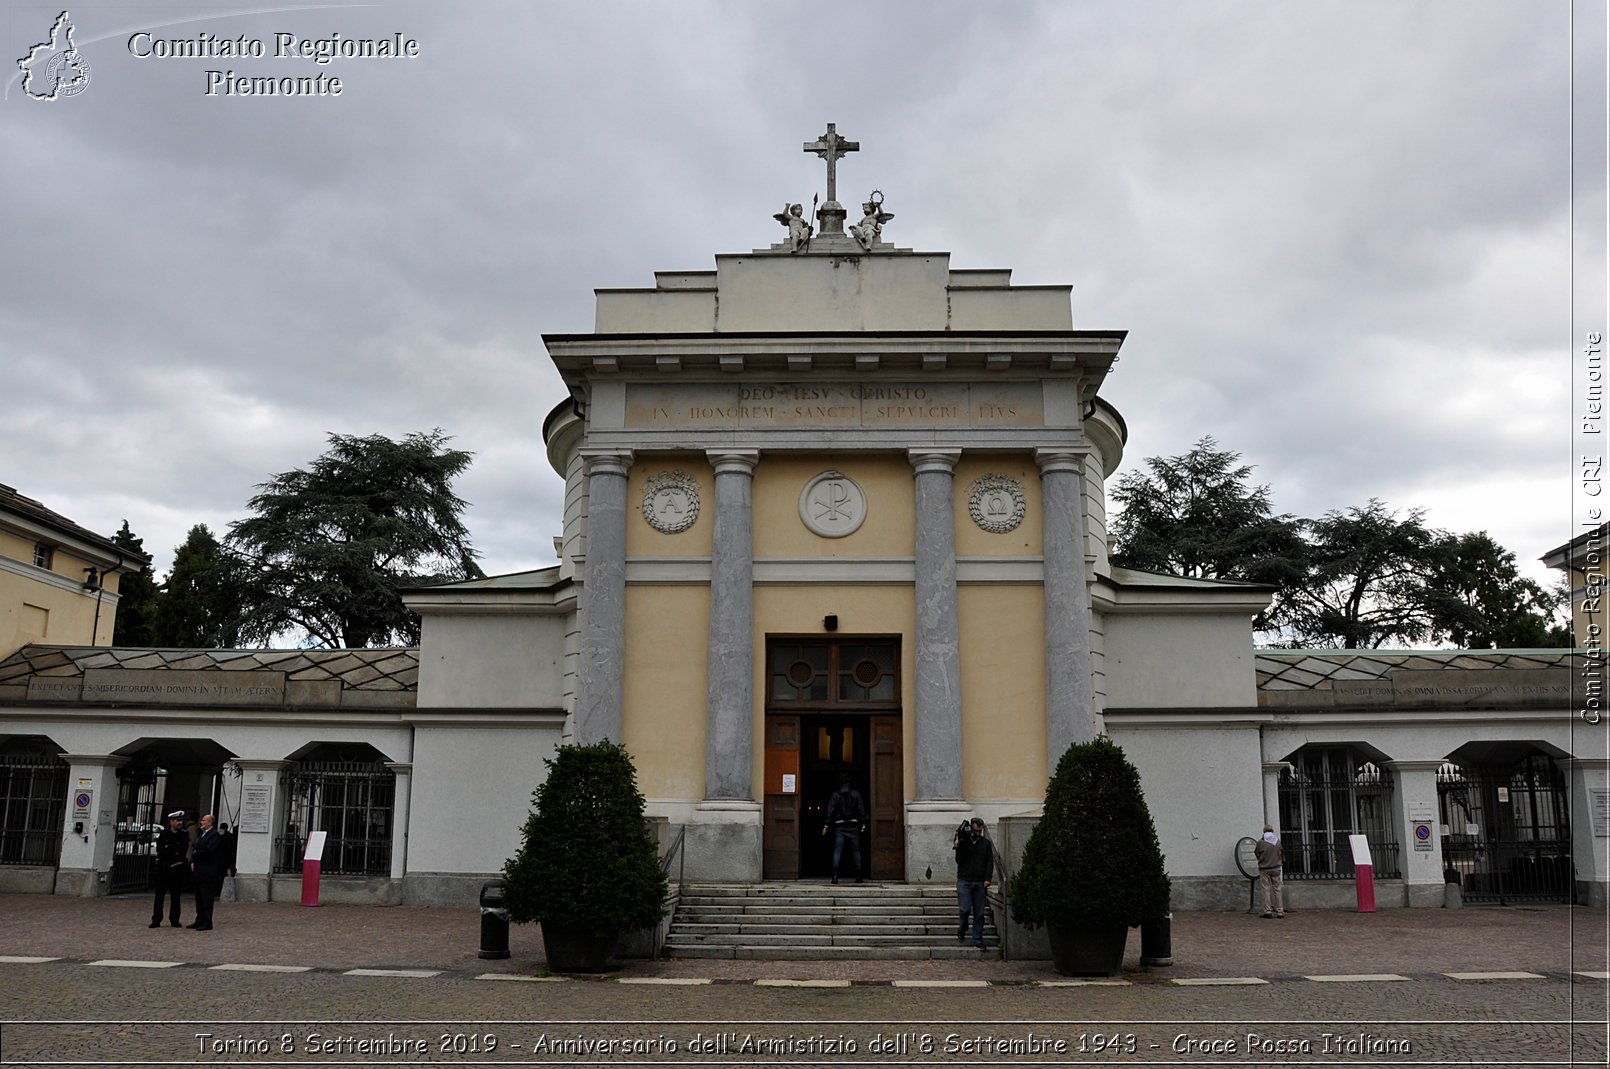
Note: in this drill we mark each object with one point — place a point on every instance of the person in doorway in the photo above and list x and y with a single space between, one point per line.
846 815
1270 862
975 865
171 869
206 867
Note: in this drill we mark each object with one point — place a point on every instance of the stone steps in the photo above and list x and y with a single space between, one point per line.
820 921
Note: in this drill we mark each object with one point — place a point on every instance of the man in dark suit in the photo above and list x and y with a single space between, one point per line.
207 867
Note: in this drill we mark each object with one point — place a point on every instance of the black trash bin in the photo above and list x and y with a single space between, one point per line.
494 921
1157 941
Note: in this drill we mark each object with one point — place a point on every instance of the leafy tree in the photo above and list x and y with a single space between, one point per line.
1197 515
137 595
1369 581
199 605
330 545
1486 602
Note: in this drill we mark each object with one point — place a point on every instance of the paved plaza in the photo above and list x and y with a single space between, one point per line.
1505 986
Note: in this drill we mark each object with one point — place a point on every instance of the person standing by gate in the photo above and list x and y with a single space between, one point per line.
975 864
1270 863
171 868
208 869
846 815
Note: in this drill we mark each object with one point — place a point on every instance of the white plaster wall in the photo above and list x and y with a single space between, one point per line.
1023 308
1204 786
832 293
472 789
1159 660
493 661
1422 736
655 311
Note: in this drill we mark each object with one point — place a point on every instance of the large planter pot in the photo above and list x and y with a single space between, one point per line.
576 949
1087 949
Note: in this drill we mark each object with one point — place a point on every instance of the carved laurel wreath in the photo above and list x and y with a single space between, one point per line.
674 481
986 487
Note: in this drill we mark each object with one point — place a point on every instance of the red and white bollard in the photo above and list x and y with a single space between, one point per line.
1363 873
310 868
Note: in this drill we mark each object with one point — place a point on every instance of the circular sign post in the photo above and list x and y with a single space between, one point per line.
1246 859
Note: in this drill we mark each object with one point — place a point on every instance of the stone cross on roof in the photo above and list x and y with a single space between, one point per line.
831 147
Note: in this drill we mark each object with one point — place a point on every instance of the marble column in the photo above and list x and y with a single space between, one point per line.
1588 785
601 663
730 706
1414 798
1272 771
85 865
402 794
258 825
1070 702
938 700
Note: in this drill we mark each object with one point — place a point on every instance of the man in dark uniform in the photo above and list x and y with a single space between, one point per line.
207 868
171 868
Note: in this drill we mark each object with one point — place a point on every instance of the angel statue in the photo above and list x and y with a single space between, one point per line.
870 228
799 231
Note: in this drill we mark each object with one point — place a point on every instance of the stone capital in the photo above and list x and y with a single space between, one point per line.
95 760
1059 460
733 461
1414 766
606 461
400 768
1275 767
925 461
259 764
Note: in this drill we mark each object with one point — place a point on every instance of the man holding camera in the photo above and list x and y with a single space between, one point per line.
975 864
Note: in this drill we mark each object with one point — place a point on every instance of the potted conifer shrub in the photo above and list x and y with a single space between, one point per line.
1092 868
587 869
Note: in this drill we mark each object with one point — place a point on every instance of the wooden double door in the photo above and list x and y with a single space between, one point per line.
832 711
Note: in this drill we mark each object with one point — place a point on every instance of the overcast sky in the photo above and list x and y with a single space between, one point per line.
1337 234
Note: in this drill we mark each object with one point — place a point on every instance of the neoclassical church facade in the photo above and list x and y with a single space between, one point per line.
834 508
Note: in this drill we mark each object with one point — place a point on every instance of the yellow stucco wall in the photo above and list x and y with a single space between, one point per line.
971 539
663 706
643 540
885 479
36 610
1002 638
1003 691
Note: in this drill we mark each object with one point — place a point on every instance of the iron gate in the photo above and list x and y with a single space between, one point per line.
138 825
1509 838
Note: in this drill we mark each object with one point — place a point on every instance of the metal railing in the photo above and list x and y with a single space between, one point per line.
30 847
1332 859
342 857
674 853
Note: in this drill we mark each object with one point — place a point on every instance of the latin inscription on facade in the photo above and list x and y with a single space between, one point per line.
1455 687
166 687
759 407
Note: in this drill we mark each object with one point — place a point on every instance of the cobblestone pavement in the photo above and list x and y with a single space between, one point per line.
1547 939
120 1014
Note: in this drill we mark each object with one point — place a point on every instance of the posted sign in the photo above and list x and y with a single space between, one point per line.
1422 836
